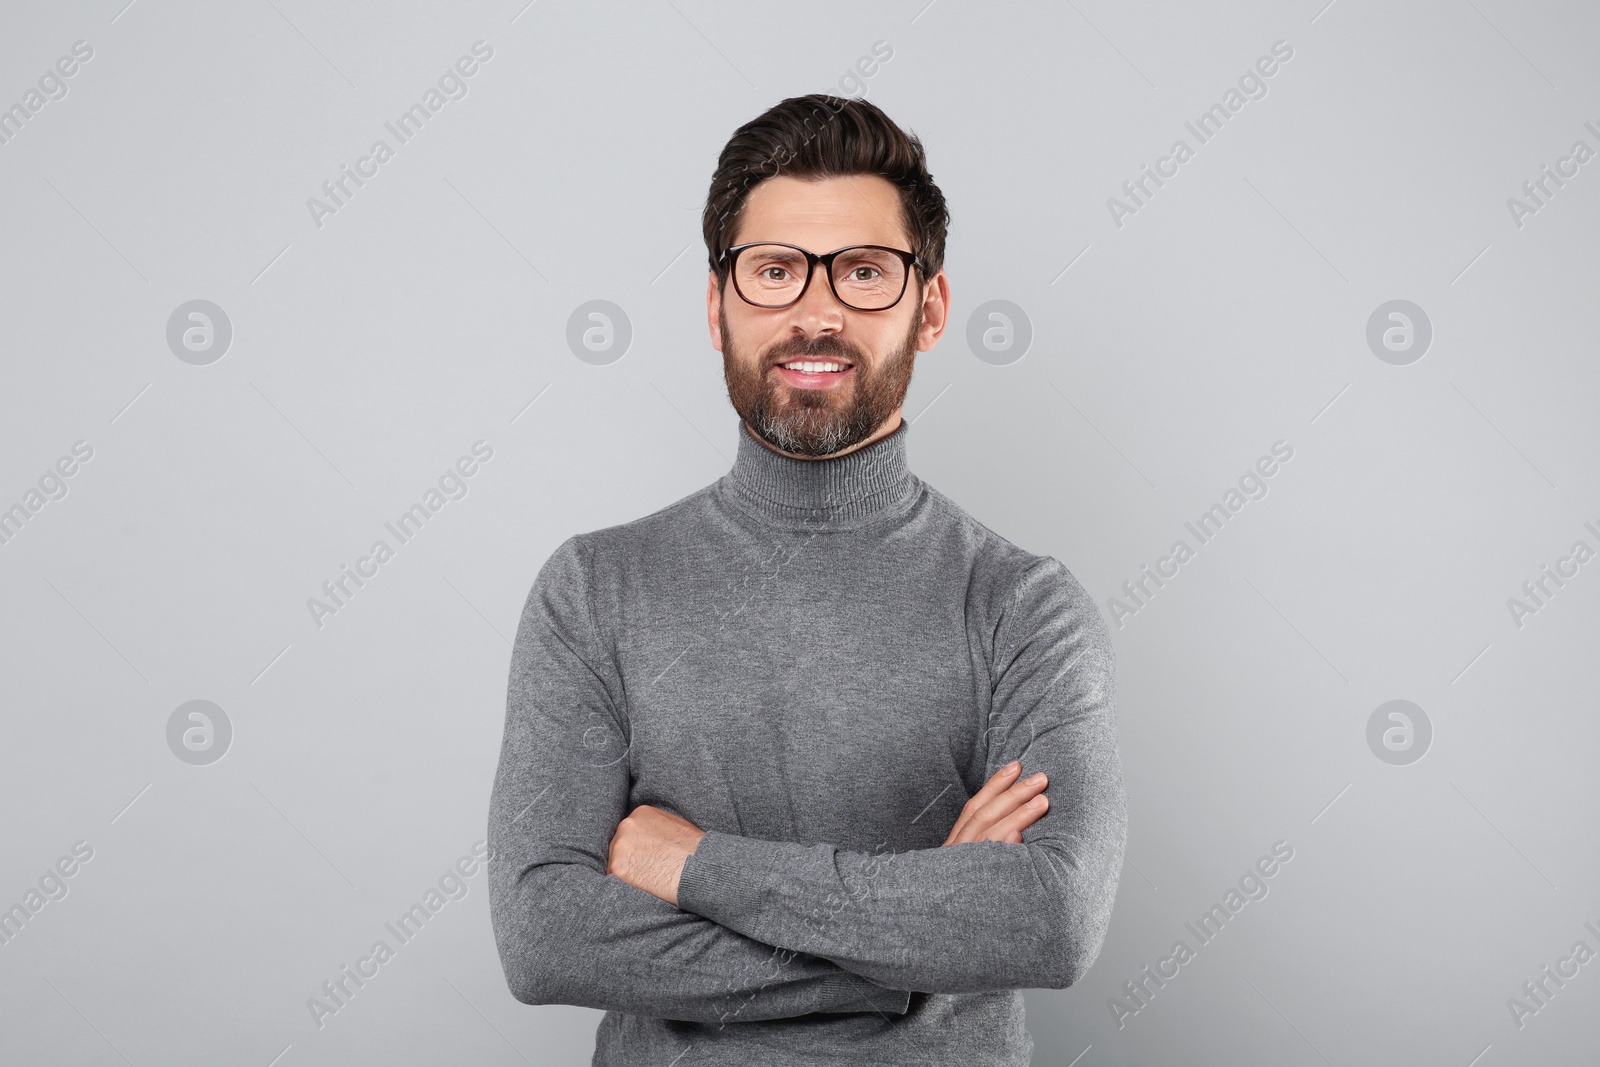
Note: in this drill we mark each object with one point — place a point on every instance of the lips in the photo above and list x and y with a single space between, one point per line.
811 374
816 366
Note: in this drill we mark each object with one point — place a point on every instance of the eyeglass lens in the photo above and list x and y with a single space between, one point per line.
870 279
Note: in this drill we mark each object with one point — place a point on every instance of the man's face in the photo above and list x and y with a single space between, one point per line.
823 413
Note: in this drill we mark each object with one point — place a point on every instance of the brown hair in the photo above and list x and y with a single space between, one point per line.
824 136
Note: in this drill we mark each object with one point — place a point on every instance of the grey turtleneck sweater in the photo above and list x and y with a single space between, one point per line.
817 662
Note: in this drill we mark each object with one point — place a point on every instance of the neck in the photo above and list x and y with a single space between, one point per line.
843 489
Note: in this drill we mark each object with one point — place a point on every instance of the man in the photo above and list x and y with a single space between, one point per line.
760 795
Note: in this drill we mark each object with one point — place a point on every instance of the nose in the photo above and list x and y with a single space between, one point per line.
818 310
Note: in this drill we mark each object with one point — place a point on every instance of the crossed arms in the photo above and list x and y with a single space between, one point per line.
651 845
771 929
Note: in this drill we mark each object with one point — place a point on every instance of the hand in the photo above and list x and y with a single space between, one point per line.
649 849
1001 810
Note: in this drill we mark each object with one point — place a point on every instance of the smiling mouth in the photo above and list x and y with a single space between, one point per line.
815 366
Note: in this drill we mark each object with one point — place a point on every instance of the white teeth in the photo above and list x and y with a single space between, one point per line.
814 367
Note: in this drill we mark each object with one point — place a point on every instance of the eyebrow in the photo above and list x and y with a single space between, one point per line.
786 250
780 255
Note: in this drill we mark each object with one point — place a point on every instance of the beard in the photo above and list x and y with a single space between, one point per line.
817 422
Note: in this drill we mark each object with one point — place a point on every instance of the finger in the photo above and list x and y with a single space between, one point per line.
996 785
979 814
1008 801
1019 820
1009 830
984 823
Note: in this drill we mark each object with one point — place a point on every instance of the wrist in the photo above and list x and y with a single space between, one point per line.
690 845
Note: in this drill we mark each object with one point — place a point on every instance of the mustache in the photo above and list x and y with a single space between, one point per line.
814 348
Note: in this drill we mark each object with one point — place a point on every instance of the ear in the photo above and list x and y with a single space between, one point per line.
935 311
713 310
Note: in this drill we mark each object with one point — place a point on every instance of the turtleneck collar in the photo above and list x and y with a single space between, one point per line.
839 491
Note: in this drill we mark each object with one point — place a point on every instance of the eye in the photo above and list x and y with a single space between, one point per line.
774 274
865 274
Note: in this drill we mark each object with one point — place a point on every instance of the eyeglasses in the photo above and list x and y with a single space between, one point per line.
863 277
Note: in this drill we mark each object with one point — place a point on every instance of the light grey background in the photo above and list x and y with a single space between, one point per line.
1229 313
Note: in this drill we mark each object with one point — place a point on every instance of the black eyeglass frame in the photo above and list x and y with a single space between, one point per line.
730 256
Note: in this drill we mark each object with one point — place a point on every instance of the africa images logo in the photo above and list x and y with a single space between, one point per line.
452 485
1252 886
452 85
1252 85
1252 485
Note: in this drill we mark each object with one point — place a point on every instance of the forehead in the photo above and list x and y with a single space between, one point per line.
825 213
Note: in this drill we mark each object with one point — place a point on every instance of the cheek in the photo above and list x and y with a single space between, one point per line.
751 340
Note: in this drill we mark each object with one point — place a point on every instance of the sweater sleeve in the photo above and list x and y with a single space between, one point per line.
982 915
568 932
